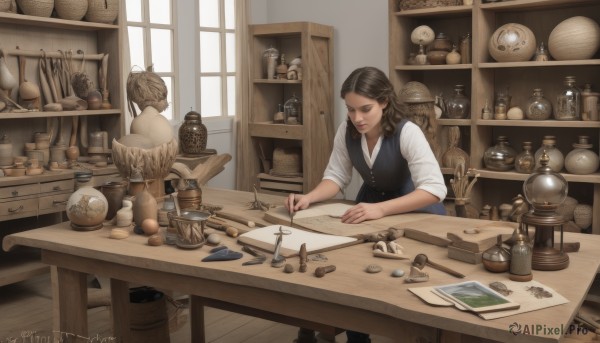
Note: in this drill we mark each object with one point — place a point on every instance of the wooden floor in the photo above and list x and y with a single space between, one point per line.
26 311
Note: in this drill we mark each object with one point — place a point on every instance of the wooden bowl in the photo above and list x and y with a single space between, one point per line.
512 42
576 38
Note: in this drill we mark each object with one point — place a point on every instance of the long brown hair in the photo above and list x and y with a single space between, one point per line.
372 83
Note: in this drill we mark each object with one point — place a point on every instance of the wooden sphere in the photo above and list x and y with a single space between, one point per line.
576 38
512 42
422 35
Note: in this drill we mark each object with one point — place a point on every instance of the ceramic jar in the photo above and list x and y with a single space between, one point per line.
86 209
525 162
125 214
192 134
500 157
453 56
568 101
465 49
114 193
459 105
438 49
497 258
557 159
6 147
582 160
538 107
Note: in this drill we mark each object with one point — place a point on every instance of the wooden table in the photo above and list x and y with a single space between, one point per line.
348 298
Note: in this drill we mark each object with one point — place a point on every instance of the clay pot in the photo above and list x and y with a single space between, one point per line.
512 42
94 100
576 38
144 207
86 209
436 57
151 124
192 134
114 193
582 160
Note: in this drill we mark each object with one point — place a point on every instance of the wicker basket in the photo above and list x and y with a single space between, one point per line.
38 8
102 11
287 162
71 9
5 5
416 4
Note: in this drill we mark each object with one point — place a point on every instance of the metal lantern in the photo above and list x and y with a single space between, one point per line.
545 190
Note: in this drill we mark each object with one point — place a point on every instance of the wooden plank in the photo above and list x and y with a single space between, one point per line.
464 255
72 299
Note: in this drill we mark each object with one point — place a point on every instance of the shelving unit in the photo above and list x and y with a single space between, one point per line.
484 77
314 44
30 197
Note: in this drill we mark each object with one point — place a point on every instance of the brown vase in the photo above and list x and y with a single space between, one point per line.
144 207
192 134
454 155
114 193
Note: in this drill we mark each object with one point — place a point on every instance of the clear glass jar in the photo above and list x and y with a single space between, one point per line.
269 62
501 104
293 111
500 157
557 159
568 102
521 255
538 107
541 55
525 162
459 105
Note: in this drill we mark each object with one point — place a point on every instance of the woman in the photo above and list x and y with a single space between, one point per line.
392 155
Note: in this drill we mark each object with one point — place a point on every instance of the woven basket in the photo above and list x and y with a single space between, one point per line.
102 11
287 162
38 8
71 9
5 5
416 4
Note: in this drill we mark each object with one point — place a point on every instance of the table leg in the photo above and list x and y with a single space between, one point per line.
197 319
72 305
119 293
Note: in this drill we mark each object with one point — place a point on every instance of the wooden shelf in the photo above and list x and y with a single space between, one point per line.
435 67
540 123
515 5
270 130
536 64
40 114
454 122
512 175
437 11
22 19
275 81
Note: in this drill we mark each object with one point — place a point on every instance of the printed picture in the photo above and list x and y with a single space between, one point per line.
473 294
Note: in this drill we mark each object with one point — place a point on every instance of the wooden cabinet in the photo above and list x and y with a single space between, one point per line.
484 77
27 197
259 135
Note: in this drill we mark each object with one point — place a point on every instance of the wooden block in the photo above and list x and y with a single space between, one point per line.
426 238
280 185
464 255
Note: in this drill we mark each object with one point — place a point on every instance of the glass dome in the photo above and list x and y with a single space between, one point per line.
293 111
545 190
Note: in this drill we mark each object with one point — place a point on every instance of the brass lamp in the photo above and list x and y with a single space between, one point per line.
545 190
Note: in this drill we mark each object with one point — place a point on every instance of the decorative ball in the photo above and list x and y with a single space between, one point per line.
512 42
576 38
150 226
86 209
423 35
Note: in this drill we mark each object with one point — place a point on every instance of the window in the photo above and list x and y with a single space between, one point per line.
151 33
216 44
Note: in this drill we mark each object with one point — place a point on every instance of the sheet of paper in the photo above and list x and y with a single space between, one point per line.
265 238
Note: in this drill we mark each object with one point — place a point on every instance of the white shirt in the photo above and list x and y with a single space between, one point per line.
424 168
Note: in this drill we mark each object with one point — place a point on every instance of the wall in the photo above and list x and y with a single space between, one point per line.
360 37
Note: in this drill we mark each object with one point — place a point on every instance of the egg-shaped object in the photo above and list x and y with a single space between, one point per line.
512 42
150 226
576 38
423 35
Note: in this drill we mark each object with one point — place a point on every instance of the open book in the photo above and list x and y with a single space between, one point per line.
264 238
488 304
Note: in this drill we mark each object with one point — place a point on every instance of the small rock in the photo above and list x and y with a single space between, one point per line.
155 240
214 239
398 273
288 268
373 268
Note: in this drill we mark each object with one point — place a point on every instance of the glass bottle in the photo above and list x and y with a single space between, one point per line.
459 105
269 62
500 157
568 102
293 111
557 159
525 162
541 55
521 255
501 105
465 49
279 116
538 107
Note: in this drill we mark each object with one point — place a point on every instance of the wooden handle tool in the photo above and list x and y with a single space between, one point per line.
228 229
235 218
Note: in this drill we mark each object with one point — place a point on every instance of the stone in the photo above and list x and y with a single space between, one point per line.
373 268
223 255
398 273
213 239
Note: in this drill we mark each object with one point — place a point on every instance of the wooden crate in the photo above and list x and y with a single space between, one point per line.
277 185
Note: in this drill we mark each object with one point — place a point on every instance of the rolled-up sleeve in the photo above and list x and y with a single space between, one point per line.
423 166
339 168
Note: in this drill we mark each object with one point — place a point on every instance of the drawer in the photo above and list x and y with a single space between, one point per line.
18 191
58 186
18 209
53 203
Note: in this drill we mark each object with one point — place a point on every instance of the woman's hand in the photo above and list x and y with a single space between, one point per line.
296 202
361 212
